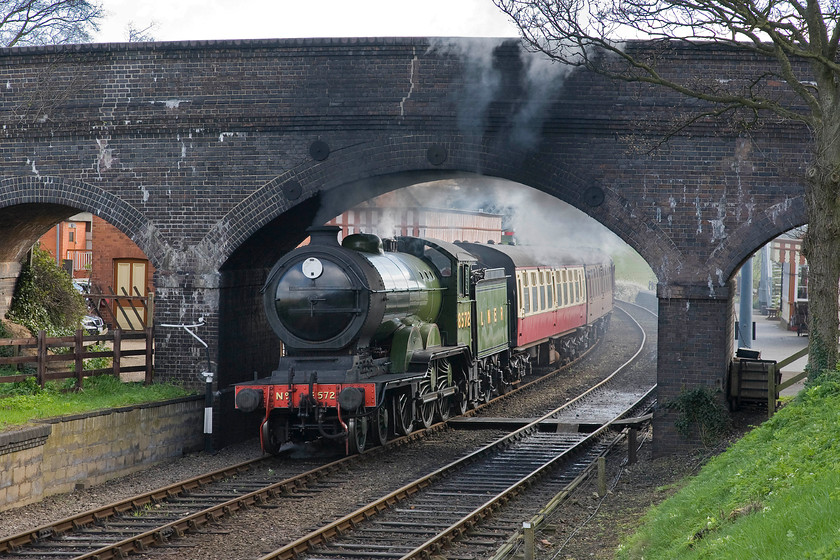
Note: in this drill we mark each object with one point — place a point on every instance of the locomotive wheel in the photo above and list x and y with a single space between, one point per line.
274 435
403 415
379 426
443 406
426 411
356 435
462 398
461 404
485 389
504 385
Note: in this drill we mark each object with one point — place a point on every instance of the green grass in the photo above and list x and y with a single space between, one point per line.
25 401
774 494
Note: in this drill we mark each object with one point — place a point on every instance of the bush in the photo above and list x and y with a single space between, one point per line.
700 409
45 298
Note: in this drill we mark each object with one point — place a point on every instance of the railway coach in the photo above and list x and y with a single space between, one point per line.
383 337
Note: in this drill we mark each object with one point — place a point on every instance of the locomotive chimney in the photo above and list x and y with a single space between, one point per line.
323 235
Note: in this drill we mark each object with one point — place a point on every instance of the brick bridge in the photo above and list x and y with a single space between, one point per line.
214 156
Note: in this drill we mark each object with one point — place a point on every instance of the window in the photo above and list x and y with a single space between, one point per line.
526 300
465 279
566 300
802 283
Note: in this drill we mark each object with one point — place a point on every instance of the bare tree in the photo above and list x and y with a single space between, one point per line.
47 22
144 35
797 40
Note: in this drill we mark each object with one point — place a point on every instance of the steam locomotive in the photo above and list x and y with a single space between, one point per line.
378 342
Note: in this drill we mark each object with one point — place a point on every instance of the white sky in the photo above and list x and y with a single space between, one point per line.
268 19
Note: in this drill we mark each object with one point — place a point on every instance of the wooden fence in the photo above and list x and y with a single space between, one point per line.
129 312
773 389
49 363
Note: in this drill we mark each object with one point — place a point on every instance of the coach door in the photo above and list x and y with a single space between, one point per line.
130 280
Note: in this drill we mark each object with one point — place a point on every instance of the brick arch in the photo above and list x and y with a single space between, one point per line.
55 193
753 233
282 208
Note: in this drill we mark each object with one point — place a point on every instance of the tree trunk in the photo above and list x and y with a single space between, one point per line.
821 247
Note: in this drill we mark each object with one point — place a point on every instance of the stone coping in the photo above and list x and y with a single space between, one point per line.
106 411
24 433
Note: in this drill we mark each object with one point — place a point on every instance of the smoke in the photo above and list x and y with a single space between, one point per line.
535 217
544 78
502 71
482 80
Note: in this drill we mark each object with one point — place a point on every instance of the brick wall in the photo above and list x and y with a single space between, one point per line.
109 243
54 458
691 358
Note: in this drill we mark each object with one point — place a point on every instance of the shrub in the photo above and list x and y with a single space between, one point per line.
45 298
700 408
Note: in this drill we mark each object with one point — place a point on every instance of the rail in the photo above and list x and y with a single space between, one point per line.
53 358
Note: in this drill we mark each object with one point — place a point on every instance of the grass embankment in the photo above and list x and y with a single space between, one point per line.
774 494
25 401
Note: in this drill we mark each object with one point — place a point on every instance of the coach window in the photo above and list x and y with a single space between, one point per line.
561 288
551 301
570 283
535 298
526 295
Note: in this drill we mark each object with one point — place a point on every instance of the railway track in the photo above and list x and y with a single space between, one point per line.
157 517
426 516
